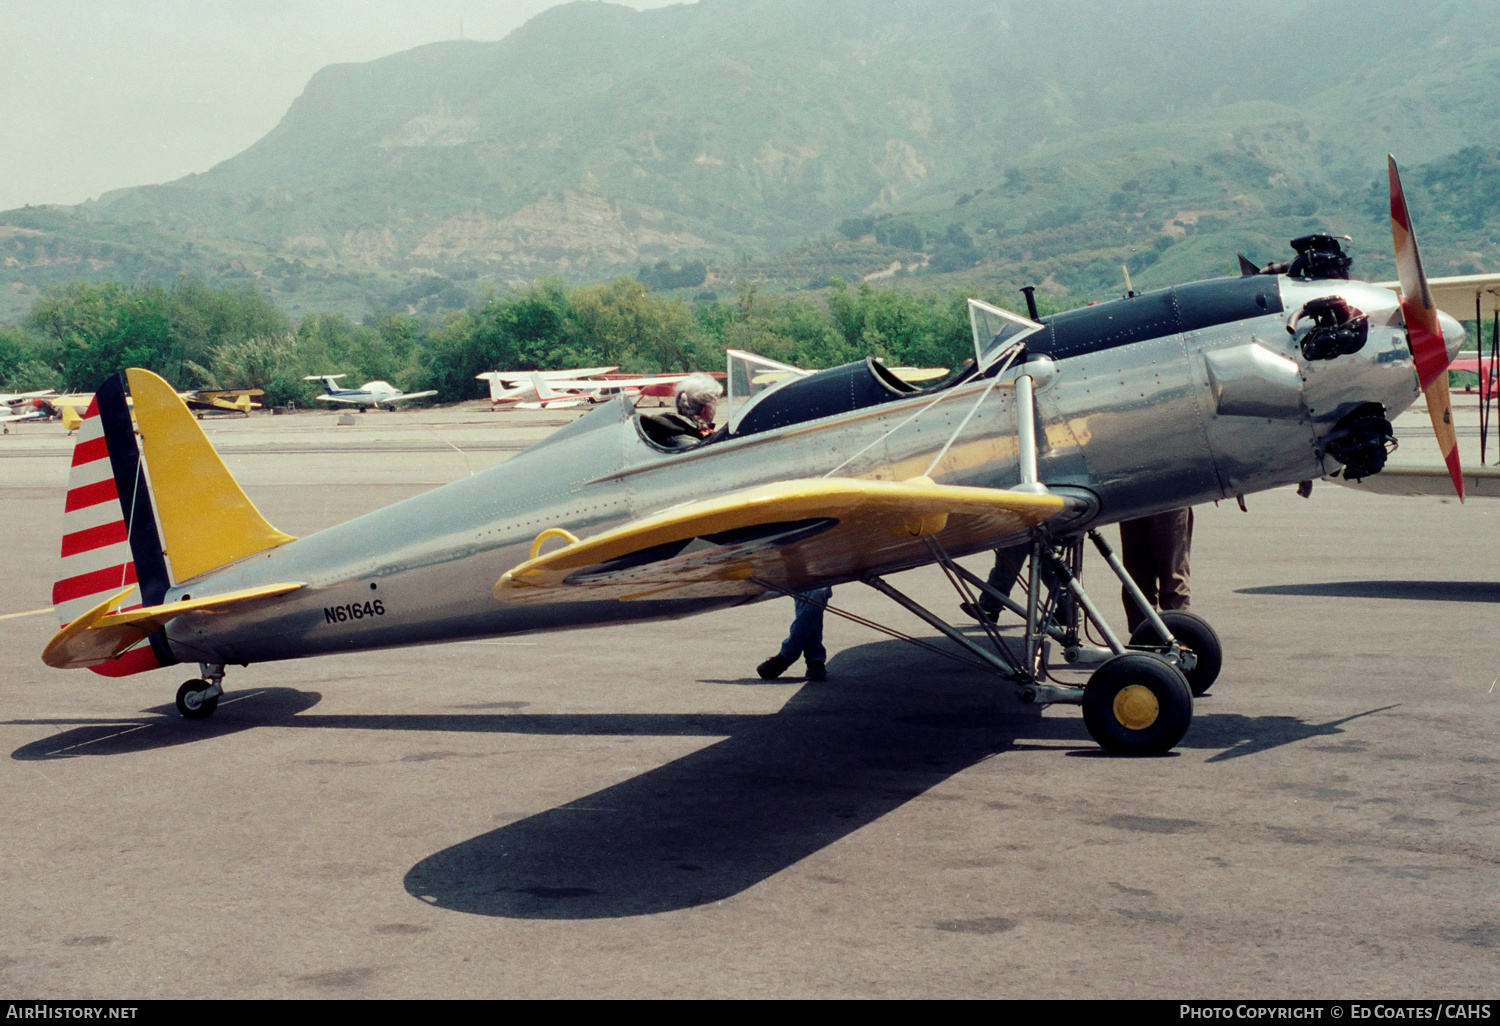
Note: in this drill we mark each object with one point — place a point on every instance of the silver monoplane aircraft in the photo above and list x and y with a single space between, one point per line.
1205 391
371 393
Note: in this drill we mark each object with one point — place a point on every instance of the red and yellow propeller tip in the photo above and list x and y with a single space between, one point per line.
1424 329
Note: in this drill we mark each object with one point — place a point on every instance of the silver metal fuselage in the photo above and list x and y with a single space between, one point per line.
1159 423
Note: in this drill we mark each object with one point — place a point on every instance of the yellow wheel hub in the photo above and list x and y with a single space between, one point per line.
1136 707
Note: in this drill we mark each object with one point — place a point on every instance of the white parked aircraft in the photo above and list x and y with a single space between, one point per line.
19 406
537 390
13 399
516 386
371 393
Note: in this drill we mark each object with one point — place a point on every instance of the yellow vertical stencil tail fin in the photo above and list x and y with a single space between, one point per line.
206 520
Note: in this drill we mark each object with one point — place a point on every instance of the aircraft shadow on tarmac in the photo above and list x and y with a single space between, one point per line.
1412 591
161 726
890 725
887 727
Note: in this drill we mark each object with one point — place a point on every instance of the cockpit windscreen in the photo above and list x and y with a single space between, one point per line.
996 331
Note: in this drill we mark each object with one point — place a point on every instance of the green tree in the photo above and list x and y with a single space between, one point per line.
27 362
99 329
623 323
923 331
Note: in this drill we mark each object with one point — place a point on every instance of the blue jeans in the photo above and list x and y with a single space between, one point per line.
806 637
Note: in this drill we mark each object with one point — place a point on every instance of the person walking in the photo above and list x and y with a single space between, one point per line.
805 640
1155 551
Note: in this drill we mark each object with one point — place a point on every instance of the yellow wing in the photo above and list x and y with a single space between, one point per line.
795 534
101 634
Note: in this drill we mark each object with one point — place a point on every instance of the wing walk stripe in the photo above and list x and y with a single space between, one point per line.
93 538
91 494
110 578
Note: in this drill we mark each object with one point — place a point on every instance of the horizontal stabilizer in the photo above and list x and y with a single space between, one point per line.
101 634
792 534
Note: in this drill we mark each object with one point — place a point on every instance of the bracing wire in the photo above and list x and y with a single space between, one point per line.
882 628
962 424
962 587
1015 349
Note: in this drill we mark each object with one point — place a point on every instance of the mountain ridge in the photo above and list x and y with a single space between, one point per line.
596 138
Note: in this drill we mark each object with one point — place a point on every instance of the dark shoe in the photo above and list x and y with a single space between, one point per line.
979 612
773 667
816 670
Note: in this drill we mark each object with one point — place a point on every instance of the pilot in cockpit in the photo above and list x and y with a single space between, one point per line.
697 399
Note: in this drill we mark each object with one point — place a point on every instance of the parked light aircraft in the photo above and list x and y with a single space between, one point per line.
528 389
505 384
222 400
214 400
538 390
19 406
579 393
1059 426
371 393
14 399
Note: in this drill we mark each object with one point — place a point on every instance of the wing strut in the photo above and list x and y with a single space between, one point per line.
1026 434
986 664
1003 665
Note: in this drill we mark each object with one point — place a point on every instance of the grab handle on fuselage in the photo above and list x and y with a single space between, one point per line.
552 532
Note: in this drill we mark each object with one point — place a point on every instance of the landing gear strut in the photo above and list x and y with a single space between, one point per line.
1139 701
197 699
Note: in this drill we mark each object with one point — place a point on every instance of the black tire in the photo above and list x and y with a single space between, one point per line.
204 709
1193 633
1137 704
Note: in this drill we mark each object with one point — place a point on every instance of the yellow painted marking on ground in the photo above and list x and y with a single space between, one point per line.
29 612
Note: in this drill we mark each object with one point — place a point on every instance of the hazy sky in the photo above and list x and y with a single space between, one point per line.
100 94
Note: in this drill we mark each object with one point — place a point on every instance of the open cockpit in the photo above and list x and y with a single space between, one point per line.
767 395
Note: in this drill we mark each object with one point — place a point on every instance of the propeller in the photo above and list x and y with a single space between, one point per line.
1424 331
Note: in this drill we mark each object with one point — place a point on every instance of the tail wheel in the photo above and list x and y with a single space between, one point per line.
1137 704
1193 633
190 702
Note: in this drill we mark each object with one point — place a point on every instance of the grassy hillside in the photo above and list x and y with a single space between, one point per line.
789 143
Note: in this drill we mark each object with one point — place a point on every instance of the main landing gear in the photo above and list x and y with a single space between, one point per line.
1138 699
197 699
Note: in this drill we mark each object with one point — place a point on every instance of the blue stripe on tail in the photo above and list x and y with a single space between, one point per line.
135 503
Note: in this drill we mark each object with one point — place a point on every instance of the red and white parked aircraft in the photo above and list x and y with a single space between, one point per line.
537 390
